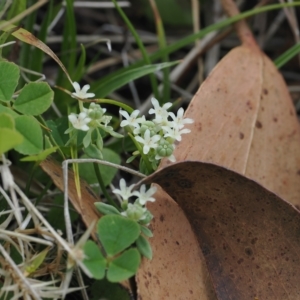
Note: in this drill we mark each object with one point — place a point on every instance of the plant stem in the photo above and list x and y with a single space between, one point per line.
102 186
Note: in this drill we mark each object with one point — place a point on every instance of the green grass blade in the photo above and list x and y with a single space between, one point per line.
162 45
37 62
80 70
126 77
191 38
68 49
141 47
287 55
68 57
16 8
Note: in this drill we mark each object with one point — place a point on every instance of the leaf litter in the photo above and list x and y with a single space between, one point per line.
245 122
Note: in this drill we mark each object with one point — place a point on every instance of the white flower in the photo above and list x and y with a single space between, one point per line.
148 141
161 113
174 133
82 93
179 121
80 121
145 196
131 120
124 191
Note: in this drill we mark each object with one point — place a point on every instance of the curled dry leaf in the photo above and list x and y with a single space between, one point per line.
177 269
249 236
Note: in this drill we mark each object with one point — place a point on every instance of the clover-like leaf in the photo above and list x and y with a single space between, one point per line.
9 77
124 266
34 99
32 133
116 233
94 261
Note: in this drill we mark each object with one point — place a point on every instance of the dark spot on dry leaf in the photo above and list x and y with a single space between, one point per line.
177 243
205 250
240 261
241 135
191 292
258 124
291 113
149 274
253 241
265 91
248 251
233 209
249 104
199 126
275 119
162 218
185 183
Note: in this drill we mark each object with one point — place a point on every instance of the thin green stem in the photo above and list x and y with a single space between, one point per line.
141 47
102 186
43 193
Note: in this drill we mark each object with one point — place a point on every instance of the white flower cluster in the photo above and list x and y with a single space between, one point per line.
136 210
157 137
90 118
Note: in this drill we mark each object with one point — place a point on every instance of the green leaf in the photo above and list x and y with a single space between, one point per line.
130 75
124 266
146 231
106 209
9 77
116 233
144 247
87 139
32 133
7 110
58 127
41 156
107 173
16 8
94 261
7 121
34 99
93 152
9 138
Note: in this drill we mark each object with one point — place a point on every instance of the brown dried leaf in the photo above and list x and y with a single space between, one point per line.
245 121
84 205
248 235
177 269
